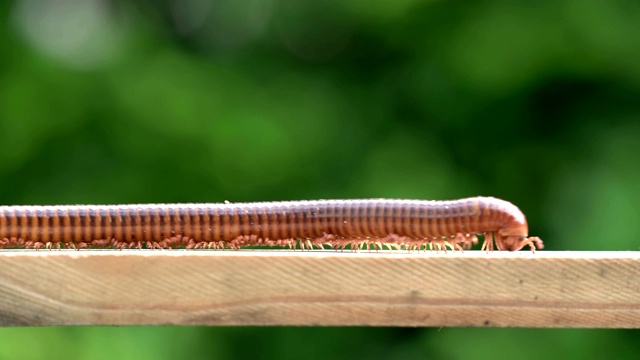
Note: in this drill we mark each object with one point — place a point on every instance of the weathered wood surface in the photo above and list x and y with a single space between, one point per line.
142 287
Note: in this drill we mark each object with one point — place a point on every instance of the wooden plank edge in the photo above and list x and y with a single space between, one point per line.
320 288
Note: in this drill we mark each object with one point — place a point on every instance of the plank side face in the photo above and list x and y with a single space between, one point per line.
138 287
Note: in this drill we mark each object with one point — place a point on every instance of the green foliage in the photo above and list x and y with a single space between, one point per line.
132 101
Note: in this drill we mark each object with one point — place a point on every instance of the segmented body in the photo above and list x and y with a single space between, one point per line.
412 224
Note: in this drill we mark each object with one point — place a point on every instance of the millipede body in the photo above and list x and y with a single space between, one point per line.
366 223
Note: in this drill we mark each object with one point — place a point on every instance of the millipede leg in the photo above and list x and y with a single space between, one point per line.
488 242
448 244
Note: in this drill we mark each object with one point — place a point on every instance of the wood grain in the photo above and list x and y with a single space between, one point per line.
138 287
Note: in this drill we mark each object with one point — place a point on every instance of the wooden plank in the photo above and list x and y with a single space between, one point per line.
146 287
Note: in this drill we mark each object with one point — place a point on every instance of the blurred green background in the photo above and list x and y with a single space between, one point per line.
246 100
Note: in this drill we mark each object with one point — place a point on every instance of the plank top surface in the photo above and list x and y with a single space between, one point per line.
274 287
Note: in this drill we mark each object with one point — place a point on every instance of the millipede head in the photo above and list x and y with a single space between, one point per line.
513 236
514 243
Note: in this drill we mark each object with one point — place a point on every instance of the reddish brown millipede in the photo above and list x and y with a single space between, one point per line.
368 223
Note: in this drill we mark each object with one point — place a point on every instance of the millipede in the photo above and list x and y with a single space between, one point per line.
339 224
